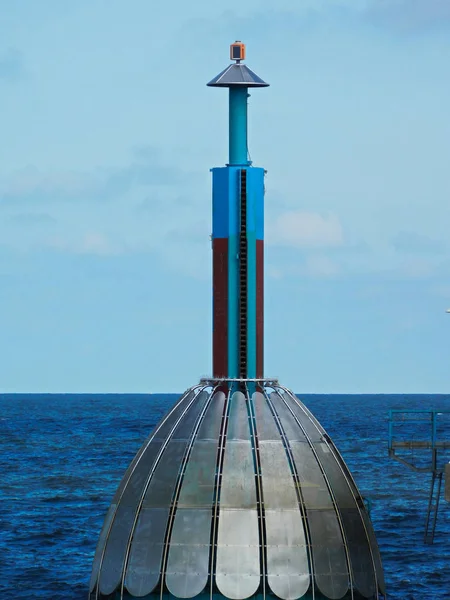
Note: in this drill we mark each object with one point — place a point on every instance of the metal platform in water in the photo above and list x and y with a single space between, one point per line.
420 440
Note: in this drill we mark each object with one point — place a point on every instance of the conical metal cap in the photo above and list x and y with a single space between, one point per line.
237 74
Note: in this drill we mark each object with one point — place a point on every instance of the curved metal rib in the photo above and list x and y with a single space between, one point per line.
362 543
188 553
237 564
288 562
329 545
217 487
259 489
142 568
131 473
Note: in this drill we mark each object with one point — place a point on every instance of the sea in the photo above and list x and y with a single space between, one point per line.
62 457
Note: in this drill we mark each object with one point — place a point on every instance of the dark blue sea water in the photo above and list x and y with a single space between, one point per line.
62 457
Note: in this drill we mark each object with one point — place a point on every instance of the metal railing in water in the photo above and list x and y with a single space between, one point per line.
420 440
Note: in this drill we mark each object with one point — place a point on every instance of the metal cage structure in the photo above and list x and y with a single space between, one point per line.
238 493
418 439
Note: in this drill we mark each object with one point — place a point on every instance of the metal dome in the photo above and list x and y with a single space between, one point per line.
238 493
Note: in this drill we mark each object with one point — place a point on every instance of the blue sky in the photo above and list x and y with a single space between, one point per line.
108 132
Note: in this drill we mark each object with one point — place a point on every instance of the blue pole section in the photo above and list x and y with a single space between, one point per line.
238 126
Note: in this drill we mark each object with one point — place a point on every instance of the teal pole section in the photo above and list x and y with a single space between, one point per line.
251 306
255 208
233 272
252 199
238 126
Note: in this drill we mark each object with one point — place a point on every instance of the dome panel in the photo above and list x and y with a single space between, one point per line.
307 424
238 418
277 481
355 532
266 426
100 546
238 489
185 428
300 409
197 488
161 432
288 423
135 479
162 484
116 548
188 563
288 572
364 515
212 421
287 557
330 559
336 478
238 543
361 559
161 489
375 552
329 555
332 576
144 563
189 551
238 569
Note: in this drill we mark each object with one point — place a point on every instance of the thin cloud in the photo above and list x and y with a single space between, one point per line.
32 186
417 268
410 242
92 243
32 218
305 230
321 266
306 17
409 15
311 265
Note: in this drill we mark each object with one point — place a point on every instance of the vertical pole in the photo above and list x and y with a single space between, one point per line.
237 158
433 428
390 430
238 152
